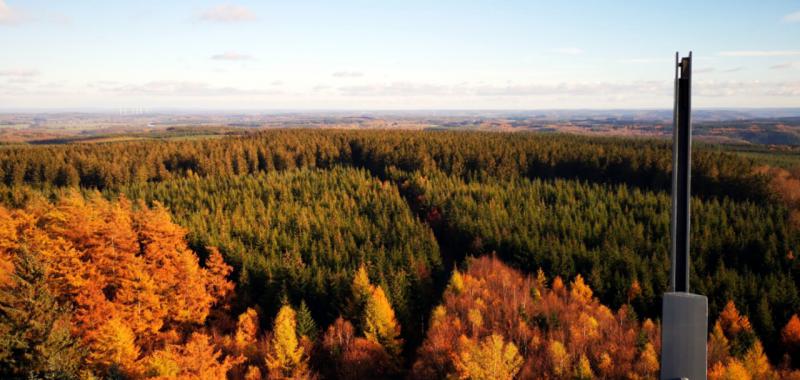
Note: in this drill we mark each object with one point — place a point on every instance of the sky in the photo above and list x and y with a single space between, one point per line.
387 54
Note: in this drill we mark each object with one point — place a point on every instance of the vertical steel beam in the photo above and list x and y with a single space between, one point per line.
681 174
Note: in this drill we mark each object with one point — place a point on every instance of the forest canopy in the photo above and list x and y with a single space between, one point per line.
384 254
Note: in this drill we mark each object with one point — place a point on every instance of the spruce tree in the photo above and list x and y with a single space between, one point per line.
305 322
35 339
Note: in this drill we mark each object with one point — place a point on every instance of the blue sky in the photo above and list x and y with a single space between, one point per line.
395 54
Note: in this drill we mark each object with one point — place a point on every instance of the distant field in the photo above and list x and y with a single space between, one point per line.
41 137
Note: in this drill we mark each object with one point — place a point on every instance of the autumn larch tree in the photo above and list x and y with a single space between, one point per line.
286 358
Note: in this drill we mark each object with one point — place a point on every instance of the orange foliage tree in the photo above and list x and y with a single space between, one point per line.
134 286
558 333
734 352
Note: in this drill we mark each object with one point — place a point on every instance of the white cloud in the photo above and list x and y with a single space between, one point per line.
231 56
733 69
759 53
641 60
18 73
409 89
180 88
792 17
397 89
13 16
781 66
746 88
347 74
8 16
228 13
582 90
569 50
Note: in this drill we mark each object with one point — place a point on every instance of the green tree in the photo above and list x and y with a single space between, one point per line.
35 339
305 322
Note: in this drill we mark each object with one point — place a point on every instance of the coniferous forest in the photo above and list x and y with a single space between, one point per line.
324 254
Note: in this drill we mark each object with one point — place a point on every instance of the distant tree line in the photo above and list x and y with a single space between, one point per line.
635 162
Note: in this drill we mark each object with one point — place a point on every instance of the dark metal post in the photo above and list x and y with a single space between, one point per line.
681 174
684 315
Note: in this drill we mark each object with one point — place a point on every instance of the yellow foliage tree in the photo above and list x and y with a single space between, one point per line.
456 282
197 360
757 364
648 360
583 371
114 345
286 358
733 370
475 319
579 291
361 289
493 358
380 324
559 357
361 286
718 345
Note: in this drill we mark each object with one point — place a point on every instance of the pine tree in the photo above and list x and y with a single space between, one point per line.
306 327
35 338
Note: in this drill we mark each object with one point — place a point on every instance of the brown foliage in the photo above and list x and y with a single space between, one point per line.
559 333
351 357
785 185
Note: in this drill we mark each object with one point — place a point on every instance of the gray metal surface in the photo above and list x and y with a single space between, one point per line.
684 328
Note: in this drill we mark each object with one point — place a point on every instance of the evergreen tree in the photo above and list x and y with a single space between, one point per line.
35 338
306 327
